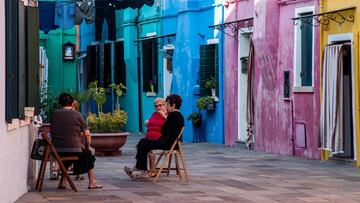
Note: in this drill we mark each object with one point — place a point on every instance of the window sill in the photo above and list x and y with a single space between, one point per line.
151 94
303 89
16 123
13 125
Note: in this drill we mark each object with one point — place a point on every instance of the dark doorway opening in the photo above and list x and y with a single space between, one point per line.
347 106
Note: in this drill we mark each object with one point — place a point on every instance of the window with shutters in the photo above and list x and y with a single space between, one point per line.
149 65
209 67
20 62
304 49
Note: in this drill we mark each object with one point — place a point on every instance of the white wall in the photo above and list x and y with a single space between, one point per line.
14 144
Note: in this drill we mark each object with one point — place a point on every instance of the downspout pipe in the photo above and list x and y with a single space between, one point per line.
138 67
220 113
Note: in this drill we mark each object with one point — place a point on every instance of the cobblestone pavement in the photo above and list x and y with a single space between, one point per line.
218 174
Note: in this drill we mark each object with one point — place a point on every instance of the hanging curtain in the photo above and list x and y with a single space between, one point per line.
250 97
331 116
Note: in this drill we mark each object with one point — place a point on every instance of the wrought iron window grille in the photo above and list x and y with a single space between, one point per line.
235 27
325 18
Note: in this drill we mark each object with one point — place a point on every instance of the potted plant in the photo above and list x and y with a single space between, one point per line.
211 84
105 128
206 103
195 118
119 90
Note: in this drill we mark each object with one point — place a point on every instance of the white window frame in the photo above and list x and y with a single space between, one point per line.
297 87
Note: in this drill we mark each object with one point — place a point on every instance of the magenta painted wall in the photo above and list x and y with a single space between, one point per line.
233 11
274 53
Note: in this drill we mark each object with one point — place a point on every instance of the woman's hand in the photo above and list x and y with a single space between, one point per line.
163 114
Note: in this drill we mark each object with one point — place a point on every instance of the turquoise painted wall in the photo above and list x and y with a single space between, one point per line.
148 23
62 74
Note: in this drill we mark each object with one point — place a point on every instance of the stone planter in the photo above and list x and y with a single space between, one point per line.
108 144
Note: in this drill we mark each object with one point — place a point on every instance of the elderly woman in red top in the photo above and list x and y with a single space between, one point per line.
154 125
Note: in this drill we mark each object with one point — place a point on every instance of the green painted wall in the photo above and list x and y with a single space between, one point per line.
62 74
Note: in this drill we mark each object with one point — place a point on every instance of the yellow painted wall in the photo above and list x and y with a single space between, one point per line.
346 27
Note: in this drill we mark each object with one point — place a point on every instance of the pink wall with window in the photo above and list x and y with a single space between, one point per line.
275 118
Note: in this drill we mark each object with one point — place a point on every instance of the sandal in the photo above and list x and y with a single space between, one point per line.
80 177
138 176
96 186
128 171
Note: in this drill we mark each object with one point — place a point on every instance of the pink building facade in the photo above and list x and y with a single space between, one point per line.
285 123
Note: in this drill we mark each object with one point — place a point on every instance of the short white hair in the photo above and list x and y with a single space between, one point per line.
159 99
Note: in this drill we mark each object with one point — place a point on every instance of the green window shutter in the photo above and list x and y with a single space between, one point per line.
92 63
12 63
107 65
149 64
33 94
208 66
22 99
120 65
306 52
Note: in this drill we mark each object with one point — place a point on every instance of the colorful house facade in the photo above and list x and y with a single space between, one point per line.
285 82
164 47
340 36
197 55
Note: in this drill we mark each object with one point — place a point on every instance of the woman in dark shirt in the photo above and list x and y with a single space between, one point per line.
169 132
66 128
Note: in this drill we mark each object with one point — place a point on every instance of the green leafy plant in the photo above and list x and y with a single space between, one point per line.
210 83
118 89
107 122
98 94
195 118
205 102
48 103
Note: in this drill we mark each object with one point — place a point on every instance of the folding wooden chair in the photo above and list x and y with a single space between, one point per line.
50 150
168 154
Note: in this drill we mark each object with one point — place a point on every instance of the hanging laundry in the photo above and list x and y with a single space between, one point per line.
47 16
85 9
64 14
105 10
123 4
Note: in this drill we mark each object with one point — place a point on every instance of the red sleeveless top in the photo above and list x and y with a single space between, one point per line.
156 121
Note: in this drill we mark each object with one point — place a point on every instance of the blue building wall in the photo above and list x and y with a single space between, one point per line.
190 21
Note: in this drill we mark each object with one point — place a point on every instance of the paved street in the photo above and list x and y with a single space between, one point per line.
218 174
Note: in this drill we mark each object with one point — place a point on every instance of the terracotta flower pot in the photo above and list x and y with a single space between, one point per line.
108 144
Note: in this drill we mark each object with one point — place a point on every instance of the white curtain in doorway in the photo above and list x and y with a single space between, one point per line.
331 119
250 97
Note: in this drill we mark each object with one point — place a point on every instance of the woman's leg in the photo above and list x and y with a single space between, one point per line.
152 162
91 175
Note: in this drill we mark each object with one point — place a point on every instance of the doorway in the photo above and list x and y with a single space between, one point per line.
348 141
243 53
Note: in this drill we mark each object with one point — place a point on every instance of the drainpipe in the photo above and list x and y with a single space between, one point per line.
357 49
138 67
221 74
